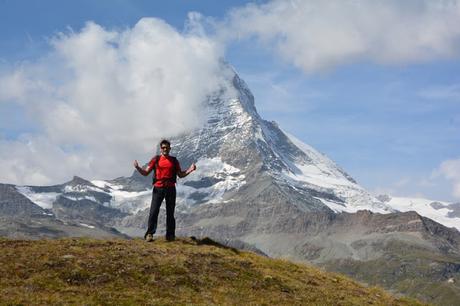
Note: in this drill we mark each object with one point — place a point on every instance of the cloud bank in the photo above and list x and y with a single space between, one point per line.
316 35
102 98
450 169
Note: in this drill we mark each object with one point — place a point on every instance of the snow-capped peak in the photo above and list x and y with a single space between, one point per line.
238 136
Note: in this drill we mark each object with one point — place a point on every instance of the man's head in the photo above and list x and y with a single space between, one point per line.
165 147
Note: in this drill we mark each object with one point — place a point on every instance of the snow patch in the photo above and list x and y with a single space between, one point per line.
321 171
43 199
127 201
423 207
130 201
81 188
226 176
73 198
104 184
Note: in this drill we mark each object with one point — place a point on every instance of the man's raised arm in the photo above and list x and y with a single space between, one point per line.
190 169
141 170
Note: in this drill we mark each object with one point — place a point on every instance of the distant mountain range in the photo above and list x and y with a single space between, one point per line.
256 187
448 214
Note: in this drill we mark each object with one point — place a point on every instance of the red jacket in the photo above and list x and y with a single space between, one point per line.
167 168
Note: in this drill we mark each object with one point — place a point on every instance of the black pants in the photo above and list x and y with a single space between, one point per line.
158 194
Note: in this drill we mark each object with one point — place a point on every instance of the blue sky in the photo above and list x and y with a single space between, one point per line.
384 105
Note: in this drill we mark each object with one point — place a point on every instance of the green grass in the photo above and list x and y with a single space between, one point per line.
185 272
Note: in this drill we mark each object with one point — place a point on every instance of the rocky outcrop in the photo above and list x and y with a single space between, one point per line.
14 204
85 211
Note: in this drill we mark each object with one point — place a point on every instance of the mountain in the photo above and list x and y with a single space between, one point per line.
447 214
54 211
260 188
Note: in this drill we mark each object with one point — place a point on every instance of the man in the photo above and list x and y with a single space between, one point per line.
166 167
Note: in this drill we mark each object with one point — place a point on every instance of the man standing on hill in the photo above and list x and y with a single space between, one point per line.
166 168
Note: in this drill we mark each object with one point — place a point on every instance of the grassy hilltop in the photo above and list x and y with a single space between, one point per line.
130 272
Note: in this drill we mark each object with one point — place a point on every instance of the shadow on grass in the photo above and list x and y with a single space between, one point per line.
209 241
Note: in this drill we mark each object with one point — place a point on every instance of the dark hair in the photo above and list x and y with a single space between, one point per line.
166 142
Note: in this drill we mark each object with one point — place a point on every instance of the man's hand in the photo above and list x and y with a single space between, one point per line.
189 170
136 164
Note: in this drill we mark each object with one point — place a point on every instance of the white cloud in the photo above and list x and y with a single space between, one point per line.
316 35
104 98
36 160
450 169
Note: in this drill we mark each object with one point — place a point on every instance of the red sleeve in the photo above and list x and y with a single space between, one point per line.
151 164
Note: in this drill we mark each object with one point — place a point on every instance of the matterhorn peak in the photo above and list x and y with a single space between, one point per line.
257 150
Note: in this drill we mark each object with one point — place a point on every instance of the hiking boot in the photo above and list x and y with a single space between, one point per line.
149 237
170 238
